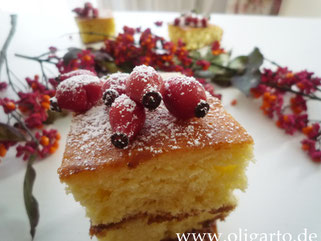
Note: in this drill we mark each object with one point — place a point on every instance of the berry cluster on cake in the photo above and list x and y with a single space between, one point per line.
194 30
94 25
150 157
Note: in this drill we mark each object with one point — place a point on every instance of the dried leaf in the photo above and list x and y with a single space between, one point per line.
247 81
102 56
31 203
255 60
223 80
70 55
239 63
9 133
251 75
54 115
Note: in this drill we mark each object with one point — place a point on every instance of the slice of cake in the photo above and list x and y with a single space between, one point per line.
176 176
194 30
94 26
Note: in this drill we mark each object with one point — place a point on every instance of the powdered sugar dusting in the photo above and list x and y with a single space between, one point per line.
116 80
76 82
78 72
89 146
125 101
183 82
144 71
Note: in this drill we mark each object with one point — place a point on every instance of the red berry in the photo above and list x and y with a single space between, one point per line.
77 11
114 86
204 22
79 93
176 21
76 72
188 20
88 5
144 85
95 13
126 118
185 97
195 21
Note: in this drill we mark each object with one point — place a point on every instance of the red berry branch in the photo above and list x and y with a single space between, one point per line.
23 125
284 97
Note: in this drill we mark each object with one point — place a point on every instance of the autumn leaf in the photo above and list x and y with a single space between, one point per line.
31 203
9 133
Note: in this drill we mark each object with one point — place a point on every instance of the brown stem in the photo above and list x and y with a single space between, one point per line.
24 126
272 62
9 77
35 59
3 53
312 97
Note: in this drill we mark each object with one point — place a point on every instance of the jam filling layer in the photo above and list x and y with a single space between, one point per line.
165 217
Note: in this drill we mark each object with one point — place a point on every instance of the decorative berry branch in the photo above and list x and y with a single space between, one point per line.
26 113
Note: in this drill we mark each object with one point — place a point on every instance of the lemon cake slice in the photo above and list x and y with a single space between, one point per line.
94 25
194 30
175 177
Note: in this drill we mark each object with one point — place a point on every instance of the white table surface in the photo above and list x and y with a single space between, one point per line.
284 192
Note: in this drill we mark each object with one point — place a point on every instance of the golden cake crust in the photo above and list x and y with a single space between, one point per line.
89 147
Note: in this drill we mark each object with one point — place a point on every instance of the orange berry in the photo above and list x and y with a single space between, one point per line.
3 150
285 118
289 75
10 105
46 98
58 136
33 86
296 109
22 108
266 95
255 93
44 140
56 144
86 57
305 147
265 105
272 98
45 105
278 123
300 85
39 127
306 130
234 102
52 150
217 52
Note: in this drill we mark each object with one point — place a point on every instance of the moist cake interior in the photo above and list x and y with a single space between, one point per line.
174 177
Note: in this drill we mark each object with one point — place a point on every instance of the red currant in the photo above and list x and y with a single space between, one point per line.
204 22
185 97
176 21
95 13
88 5
114 86
195 21
79 93
126 118
188 20
76 72
144 85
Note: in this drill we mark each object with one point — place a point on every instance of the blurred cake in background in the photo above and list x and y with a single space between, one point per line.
94 25
194 30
